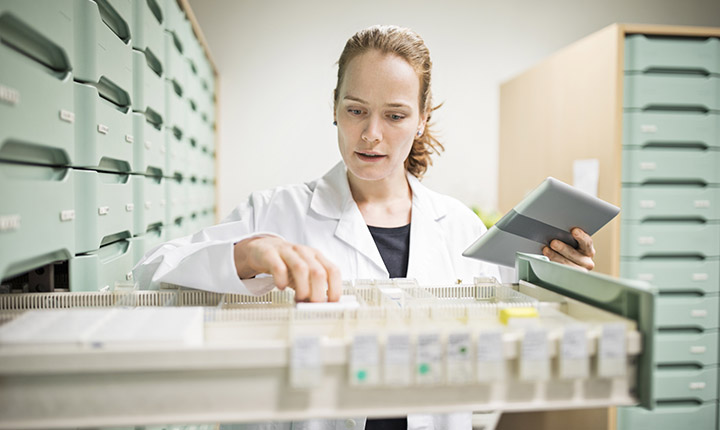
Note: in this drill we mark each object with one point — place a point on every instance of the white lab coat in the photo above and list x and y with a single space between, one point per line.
322 214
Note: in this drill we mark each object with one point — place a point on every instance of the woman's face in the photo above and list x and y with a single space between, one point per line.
378 115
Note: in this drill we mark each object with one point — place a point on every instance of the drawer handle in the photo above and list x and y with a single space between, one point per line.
33 44
9 95
647 204
129 207
698 313
698 350
103 129
67 215
648 165
697 385
129 138
699 276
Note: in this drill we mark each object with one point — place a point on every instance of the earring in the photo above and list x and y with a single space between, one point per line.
334 122
419 133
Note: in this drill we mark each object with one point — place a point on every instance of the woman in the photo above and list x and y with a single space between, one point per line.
369 217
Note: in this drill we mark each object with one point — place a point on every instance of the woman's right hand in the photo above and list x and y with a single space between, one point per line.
313 277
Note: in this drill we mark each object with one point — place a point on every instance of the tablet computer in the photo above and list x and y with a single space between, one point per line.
549 212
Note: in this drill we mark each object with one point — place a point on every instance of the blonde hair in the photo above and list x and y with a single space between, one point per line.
409 46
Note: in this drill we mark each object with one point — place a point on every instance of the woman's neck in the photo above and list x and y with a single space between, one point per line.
383 203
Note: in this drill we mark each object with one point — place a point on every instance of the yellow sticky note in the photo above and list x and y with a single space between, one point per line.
507 313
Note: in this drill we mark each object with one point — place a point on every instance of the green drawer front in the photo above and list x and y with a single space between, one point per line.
149 201
671 91
669 239
175 65
177 154
149 87
178 228
105 208
104 134
193 169
147 241
148 30
698 312
149 153
675 275
30 237
99 51
680 347
207 195
647 165
669 416
174 16
643 53
176 109
671 128
177 200
103 269
208 217
208 169
670 201
50 19
683 383
37 112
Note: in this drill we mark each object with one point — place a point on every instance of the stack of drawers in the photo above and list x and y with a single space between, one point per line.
84 136
670 233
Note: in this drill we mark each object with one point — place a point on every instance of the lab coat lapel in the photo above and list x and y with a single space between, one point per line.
332 198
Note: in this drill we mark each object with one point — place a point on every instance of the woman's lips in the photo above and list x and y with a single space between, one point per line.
370 157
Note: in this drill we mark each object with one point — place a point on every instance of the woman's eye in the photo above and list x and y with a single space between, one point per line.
396 117
355 111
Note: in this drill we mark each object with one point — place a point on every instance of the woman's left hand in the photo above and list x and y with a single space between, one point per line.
582 257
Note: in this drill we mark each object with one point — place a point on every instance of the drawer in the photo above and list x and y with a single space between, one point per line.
177 153
37 216
149 201
208 217
175 66
149 153
147 241
194 167
649 91
646 53
105 208
208 162
195 126
102 36
687 311
685 383
641 166
42 29
670 201
668 416
103 269
104 134
148 32
37 112
680 347
176 108
207 196
671 128
177 200
173 14
675 274
178 228
669 239
148 85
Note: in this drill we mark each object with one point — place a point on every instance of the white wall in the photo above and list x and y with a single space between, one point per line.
277 68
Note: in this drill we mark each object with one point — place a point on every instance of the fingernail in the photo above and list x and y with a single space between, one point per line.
555 245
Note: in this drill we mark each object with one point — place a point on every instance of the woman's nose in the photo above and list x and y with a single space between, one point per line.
372 132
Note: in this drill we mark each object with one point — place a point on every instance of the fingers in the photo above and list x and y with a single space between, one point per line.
559 258
566 254
334 279
585 242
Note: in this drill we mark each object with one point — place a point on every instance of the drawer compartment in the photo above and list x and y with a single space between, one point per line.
149 201
668 91
176 108
148 27
149 86
646 53
671 128
683 383
682 347
175 66
103 269
149 153
37 216
642 166
177 153
700 240
687 311
147 241
674 274
641 203
669 416
177 204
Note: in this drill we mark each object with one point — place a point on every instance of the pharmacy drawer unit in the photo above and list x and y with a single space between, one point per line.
648 165
670 416
36 111
641 203
671 128
148 87
668 274
103 269
103 51
37 216
176 108
146 241
686 383
663 91
149 153
175 65
103 131
105 208
148 32
149 201
687 311
690 239
699 348
645 53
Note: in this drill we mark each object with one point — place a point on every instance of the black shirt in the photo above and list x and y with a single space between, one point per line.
394 246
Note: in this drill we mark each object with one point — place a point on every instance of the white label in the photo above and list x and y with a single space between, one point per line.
148 145
67 215
612 341
428 359
67 116
129 207
364 359
574 343
698 349
129 276
397 360
648 128
129 138
9 222
103 129
648 165
702 204
646 240
647 204
103 210
699 276
698 313
459 364
534 345
9 95
489 346
162 148
697 385
162 203
148 204
305 362
645 277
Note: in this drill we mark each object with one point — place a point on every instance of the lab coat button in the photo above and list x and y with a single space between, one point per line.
349 424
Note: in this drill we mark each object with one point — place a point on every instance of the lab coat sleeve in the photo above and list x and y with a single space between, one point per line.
205 260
